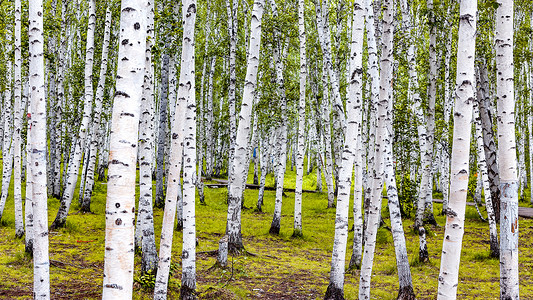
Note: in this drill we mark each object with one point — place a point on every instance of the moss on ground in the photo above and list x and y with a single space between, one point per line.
284 267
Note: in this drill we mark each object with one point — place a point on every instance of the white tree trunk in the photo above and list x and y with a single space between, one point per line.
232 10
509 288
17 126
28 206
185 94
301 122
425 152
530 123
235 195
146 149
95 125
162 133
41 264
430 117
354 112
281 141
74 164
120 204
448 106
187 89
326 133
384 104
406 291
7 146
465 91
482 172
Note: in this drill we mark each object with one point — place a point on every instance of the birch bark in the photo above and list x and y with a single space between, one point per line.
120 204
74 164
425 152
187 89
488 139
177 147
146 149
301 123
482 172
28 203
41 264
509 280
17 126
282 138
465 91
95 137
235 195
7 146
326 133
162 133
354 111
383 118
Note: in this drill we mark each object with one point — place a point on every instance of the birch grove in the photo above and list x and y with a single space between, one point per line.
137 109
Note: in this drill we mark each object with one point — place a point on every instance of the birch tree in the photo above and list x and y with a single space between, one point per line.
509 288
120 204
187 86
354 111
74 163
301 122
464 97
95 126
146 149
482 173
235 195
41 263
17 126
180 129
384 104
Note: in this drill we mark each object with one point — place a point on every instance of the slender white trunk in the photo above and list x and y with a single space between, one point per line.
509 288
530 123
74 164
465 81
339 119
17 126
448 105
232 9
281 142
406 291
425 152
146 149
7 146
264 157
28 205
41 264
384 104
354 112
120 204
235 195
301 122
326 133
162 133
180 131
485 112
482 173
187 87
94 138
430 117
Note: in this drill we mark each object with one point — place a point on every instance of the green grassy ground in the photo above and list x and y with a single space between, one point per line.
284 267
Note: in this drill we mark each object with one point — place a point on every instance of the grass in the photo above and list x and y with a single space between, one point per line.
285 267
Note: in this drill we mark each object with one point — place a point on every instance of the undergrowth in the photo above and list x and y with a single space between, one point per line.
283 266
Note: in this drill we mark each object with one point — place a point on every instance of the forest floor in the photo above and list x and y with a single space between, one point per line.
282 268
